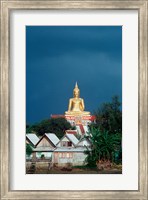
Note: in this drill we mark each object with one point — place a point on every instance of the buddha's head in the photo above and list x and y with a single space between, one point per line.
76 91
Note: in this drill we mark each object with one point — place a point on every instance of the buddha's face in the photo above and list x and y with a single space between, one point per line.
76 93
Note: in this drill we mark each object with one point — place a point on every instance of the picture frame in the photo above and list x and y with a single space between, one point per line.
6 7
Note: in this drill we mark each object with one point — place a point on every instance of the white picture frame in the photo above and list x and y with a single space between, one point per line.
7 7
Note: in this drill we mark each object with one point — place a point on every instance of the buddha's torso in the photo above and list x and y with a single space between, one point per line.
76 105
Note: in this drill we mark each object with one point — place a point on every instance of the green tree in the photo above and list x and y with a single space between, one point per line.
104 146
109 116
53 125
27 125
28 149
30 128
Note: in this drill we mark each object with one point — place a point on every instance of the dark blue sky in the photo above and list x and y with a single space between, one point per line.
58 56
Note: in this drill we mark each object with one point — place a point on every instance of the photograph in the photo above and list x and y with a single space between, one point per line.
73 99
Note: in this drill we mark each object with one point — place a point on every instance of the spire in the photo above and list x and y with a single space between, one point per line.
76 85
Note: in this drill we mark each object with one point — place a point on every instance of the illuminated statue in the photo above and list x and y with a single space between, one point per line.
76 104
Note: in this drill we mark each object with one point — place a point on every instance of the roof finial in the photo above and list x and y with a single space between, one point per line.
76 85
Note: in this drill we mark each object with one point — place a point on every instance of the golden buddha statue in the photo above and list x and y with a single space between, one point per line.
76 104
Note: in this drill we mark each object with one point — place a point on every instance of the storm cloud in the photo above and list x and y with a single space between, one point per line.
58 56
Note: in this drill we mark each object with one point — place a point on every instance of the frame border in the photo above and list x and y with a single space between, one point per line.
6 7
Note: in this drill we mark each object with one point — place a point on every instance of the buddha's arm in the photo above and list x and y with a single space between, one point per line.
82 104
70 105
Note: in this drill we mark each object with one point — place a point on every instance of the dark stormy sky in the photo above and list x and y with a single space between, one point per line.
58 56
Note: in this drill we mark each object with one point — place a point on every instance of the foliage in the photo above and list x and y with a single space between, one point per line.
104 146
42 156
109 116
78 136
27 125
28 149
53 125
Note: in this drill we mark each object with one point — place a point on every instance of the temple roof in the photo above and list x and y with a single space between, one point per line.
57 116
71 131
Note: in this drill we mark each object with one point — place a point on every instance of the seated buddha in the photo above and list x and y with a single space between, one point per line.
76 104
